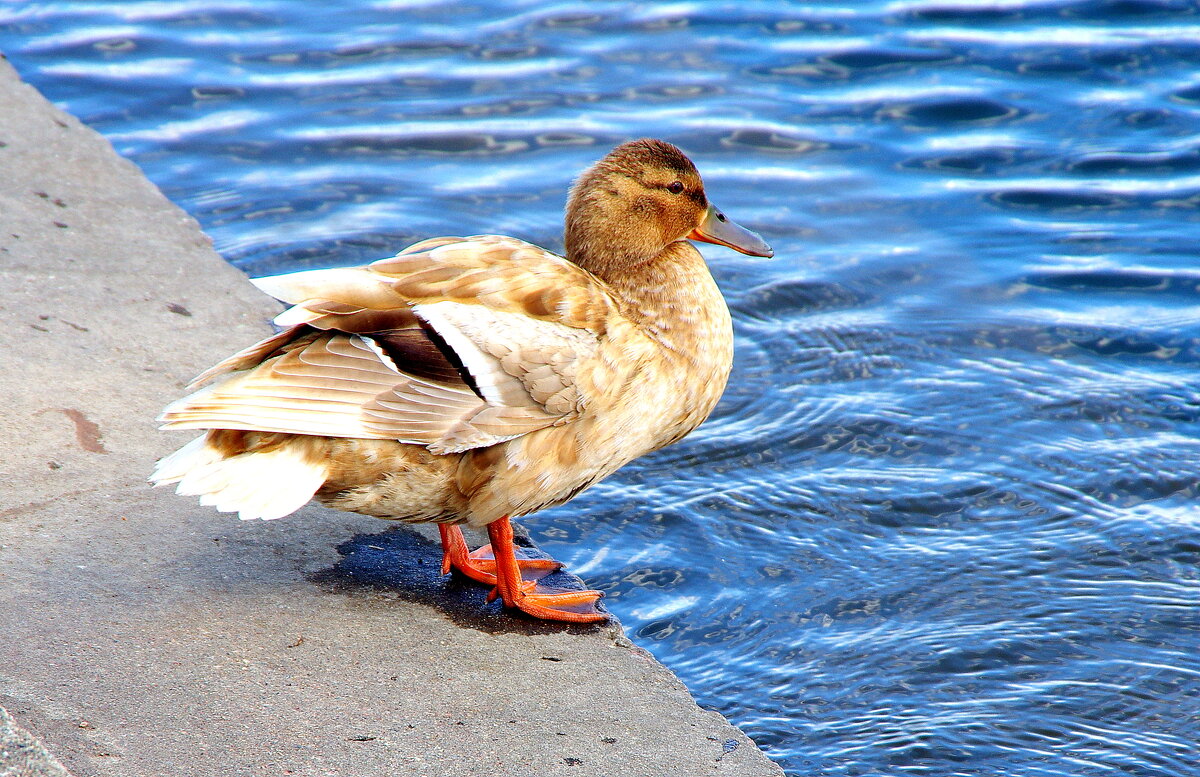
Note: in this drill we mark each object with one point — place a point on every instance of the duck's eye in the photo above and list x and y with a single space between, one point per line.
675 188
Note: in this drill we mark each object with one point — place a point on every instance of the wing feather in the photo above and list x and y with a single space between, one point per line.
454 343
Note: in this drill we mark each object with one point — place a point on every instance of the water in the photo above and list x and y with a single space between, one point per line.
944 520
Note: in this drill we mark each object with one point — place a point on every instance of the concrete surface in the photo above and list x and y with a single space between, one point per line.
142 634
23 756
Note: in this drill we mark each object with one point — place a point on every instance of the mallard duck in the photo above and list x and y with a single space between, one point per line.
476 379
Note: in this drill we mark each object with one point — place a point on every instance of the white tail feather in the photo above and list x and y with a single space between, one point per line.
264 485
172 468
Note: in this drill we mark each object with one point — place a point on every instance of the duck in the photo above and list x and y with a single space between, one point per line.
473 380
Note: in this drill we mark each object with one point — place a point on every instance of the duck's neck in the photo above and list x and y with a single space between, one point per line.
673 298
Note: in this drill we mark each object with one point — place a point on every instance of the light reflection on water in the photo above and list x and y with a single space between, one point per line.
944 520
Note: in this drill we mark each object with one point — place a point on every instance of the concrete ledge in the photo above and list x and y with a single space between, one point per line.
145 635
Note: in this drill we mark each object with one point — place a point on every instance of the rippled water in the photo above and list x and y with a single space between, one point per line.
944 521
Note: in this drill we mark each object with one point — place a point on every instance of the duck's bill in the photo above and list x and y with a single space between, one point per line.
717 229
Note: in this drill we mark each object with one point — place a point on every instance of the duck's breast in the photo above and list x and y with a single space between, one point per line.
642 397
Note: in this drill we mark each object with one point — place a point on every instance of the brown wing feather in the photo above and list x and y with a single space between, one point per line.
415 353
317 389
256 354
505 274
363 360
336 386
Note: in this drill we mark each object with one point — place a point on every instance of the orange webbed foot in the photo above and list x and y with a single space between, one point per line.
559 605
485 559
539 601
480 565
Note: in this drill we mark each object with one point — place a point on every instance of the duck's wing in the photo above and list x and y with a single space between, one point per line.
455 343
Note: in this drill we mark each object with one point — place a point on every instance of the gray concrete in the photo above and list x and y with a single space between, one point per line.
142 634
21 755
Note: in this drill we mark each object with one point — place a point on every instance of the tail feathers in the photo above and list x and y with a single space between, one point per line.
259 484
172 468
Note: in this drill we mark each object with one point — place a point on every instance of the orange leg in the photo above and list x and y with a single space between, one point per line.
549 604
480 565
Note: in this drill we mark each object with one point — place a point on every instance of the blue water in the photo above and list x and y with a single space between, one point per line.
944 521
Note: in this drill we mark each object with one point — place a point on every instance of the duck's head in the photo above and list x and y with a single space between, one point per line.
629 208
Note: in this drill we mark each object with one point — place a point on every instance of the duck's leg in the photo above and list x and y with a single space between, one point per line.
548 604
480 565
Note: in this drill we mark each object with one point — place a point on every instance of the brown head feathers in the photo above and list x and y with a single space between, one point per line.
629 206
